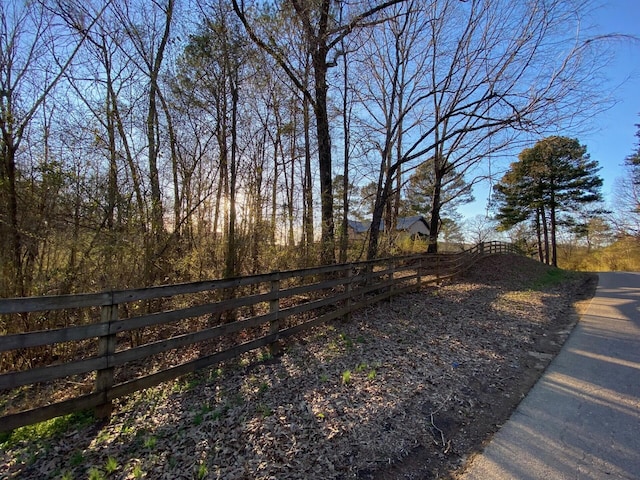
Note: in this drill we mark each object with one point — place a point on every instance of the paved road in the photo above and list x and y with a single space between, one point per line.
582 419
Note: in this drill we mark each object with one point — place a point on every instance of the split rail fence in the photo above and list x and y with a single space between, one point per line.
117 337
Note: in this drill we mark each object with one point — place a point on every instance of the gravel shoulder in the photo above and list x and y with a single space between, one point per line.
407 389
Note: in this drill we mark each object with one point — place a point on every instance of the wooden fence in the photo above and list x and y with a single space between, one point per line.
120 333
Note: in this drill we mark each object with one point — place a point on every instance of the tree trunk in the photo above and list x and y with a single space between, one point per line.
223 185
374 229
539 235
232 254
545 232
327 247
177 198
554 249
398 148
308 181
436 205
14 237
135 177
344 230
289 187
388 209
382 198
154 179
274 189
256 199
112 188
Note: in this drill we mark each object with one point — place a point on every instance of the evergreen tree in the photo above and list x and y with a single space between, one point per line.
419 191
555 176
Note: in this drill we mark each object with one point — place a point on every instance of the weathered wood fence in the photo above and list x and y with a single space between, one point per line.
123 331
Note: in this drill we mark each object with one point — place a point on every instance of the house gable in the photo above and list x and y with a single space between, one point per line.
415 225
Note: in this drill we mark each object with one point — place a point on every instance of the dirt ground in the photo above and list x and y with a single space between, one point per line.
495 401
407 389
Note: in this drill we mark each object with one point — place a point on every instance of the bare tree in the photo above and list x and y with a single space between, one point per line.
491 70
393 88
118 80
149 46
626 216
321 34
26 80
480 228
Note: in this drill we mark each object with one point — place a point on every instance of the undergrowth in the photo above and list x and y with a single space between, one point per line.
551 278
46 430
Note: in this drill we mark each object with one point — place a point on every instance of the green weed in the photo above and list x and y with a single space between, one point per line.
77 459
361 367
264 410
137 472
46 430
264 356
188 383
202 471
235 400
128 428
551 277
197 420
103 436
96 474
111 465
346 377
219 413
348 343
150 442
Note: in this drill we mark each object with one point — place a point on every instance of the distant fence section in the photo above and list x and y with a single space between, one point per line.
111 344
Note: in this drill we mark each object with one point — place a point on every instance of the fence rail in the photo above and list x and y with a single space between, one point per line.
235 316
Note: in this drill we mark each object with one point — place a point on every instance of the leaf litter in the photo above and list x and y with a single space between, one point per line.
409 388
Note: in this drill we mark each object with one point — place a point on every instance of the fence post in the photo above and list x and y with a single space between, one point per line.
349 292
106 348
274 307
392 268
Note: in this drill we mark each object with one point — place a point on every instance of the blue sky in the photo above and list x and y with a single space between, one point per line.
615 138
613 135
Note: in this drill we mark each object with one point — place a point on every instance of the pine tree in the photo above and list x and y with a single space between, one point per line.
456 191
555 175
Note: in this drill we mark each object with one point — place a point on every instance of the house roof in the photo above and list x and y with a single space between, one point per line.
358 226
404 223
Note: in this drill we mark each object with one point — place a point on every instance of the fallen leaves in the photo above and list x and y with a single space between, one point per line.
423 377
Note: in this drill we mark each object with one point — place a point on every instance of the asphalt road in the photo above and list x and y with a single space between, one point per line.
582 418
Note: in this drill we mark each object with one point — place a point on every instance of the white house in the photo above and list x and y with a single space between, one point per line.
413 226
416 225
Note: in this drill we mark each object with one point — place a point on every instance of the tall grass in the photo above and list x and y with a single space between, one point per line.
621 256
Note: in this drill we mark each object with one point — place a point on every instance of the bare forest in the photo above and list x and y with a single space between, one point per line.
152 142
